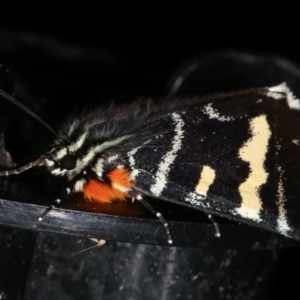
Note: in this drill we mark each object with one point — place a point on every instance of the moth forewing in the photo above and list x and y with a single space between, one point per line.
238 157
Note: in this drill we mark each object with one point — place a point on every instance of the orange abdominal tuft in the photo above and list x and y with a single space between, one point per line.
104 193
120 178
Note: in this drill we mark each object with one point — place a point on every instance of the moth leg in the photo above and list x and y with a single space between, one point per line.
56 202
47 210
217 230
158 214
99 243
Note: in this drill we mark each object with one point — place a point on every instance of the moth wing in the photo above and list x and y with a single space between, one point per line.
236 156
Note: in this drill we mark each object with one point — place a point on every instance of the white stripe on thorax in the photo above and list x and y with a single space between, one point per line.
73 126
60 154
93 151
74 147
168 159
98 167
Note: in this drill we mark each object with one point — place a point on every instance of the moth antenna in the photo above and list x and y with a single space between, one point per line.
27 110
159 215
47 210
99 243
37 162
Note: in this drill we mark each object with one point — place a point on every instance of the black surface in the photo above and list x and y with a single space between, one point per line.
137 230
145 272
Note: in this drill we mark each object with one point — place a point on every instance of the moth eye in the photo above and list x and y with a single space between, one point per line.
68 162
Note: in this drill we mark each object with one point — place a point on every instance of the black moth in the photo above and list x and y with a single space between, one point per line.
234 155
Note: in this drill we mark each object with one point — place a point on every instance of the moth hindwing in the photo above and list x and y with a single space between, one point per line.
234 155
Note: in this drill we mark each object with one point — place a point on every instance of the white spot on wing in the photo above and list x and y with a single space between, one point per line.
254 151
135 172
131 154
277 92
282 224
197 200
207 177
282 91
168 159
214 114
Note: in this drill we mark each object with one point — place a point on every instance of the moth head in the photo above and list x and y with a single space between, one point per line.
72 151
90 142
67 162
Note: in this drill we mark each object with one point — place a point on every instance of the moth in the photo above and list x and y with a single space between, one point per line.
234 155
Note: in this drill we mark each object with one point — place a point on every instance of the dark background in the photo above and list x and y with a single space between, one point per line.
64 58
144 43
